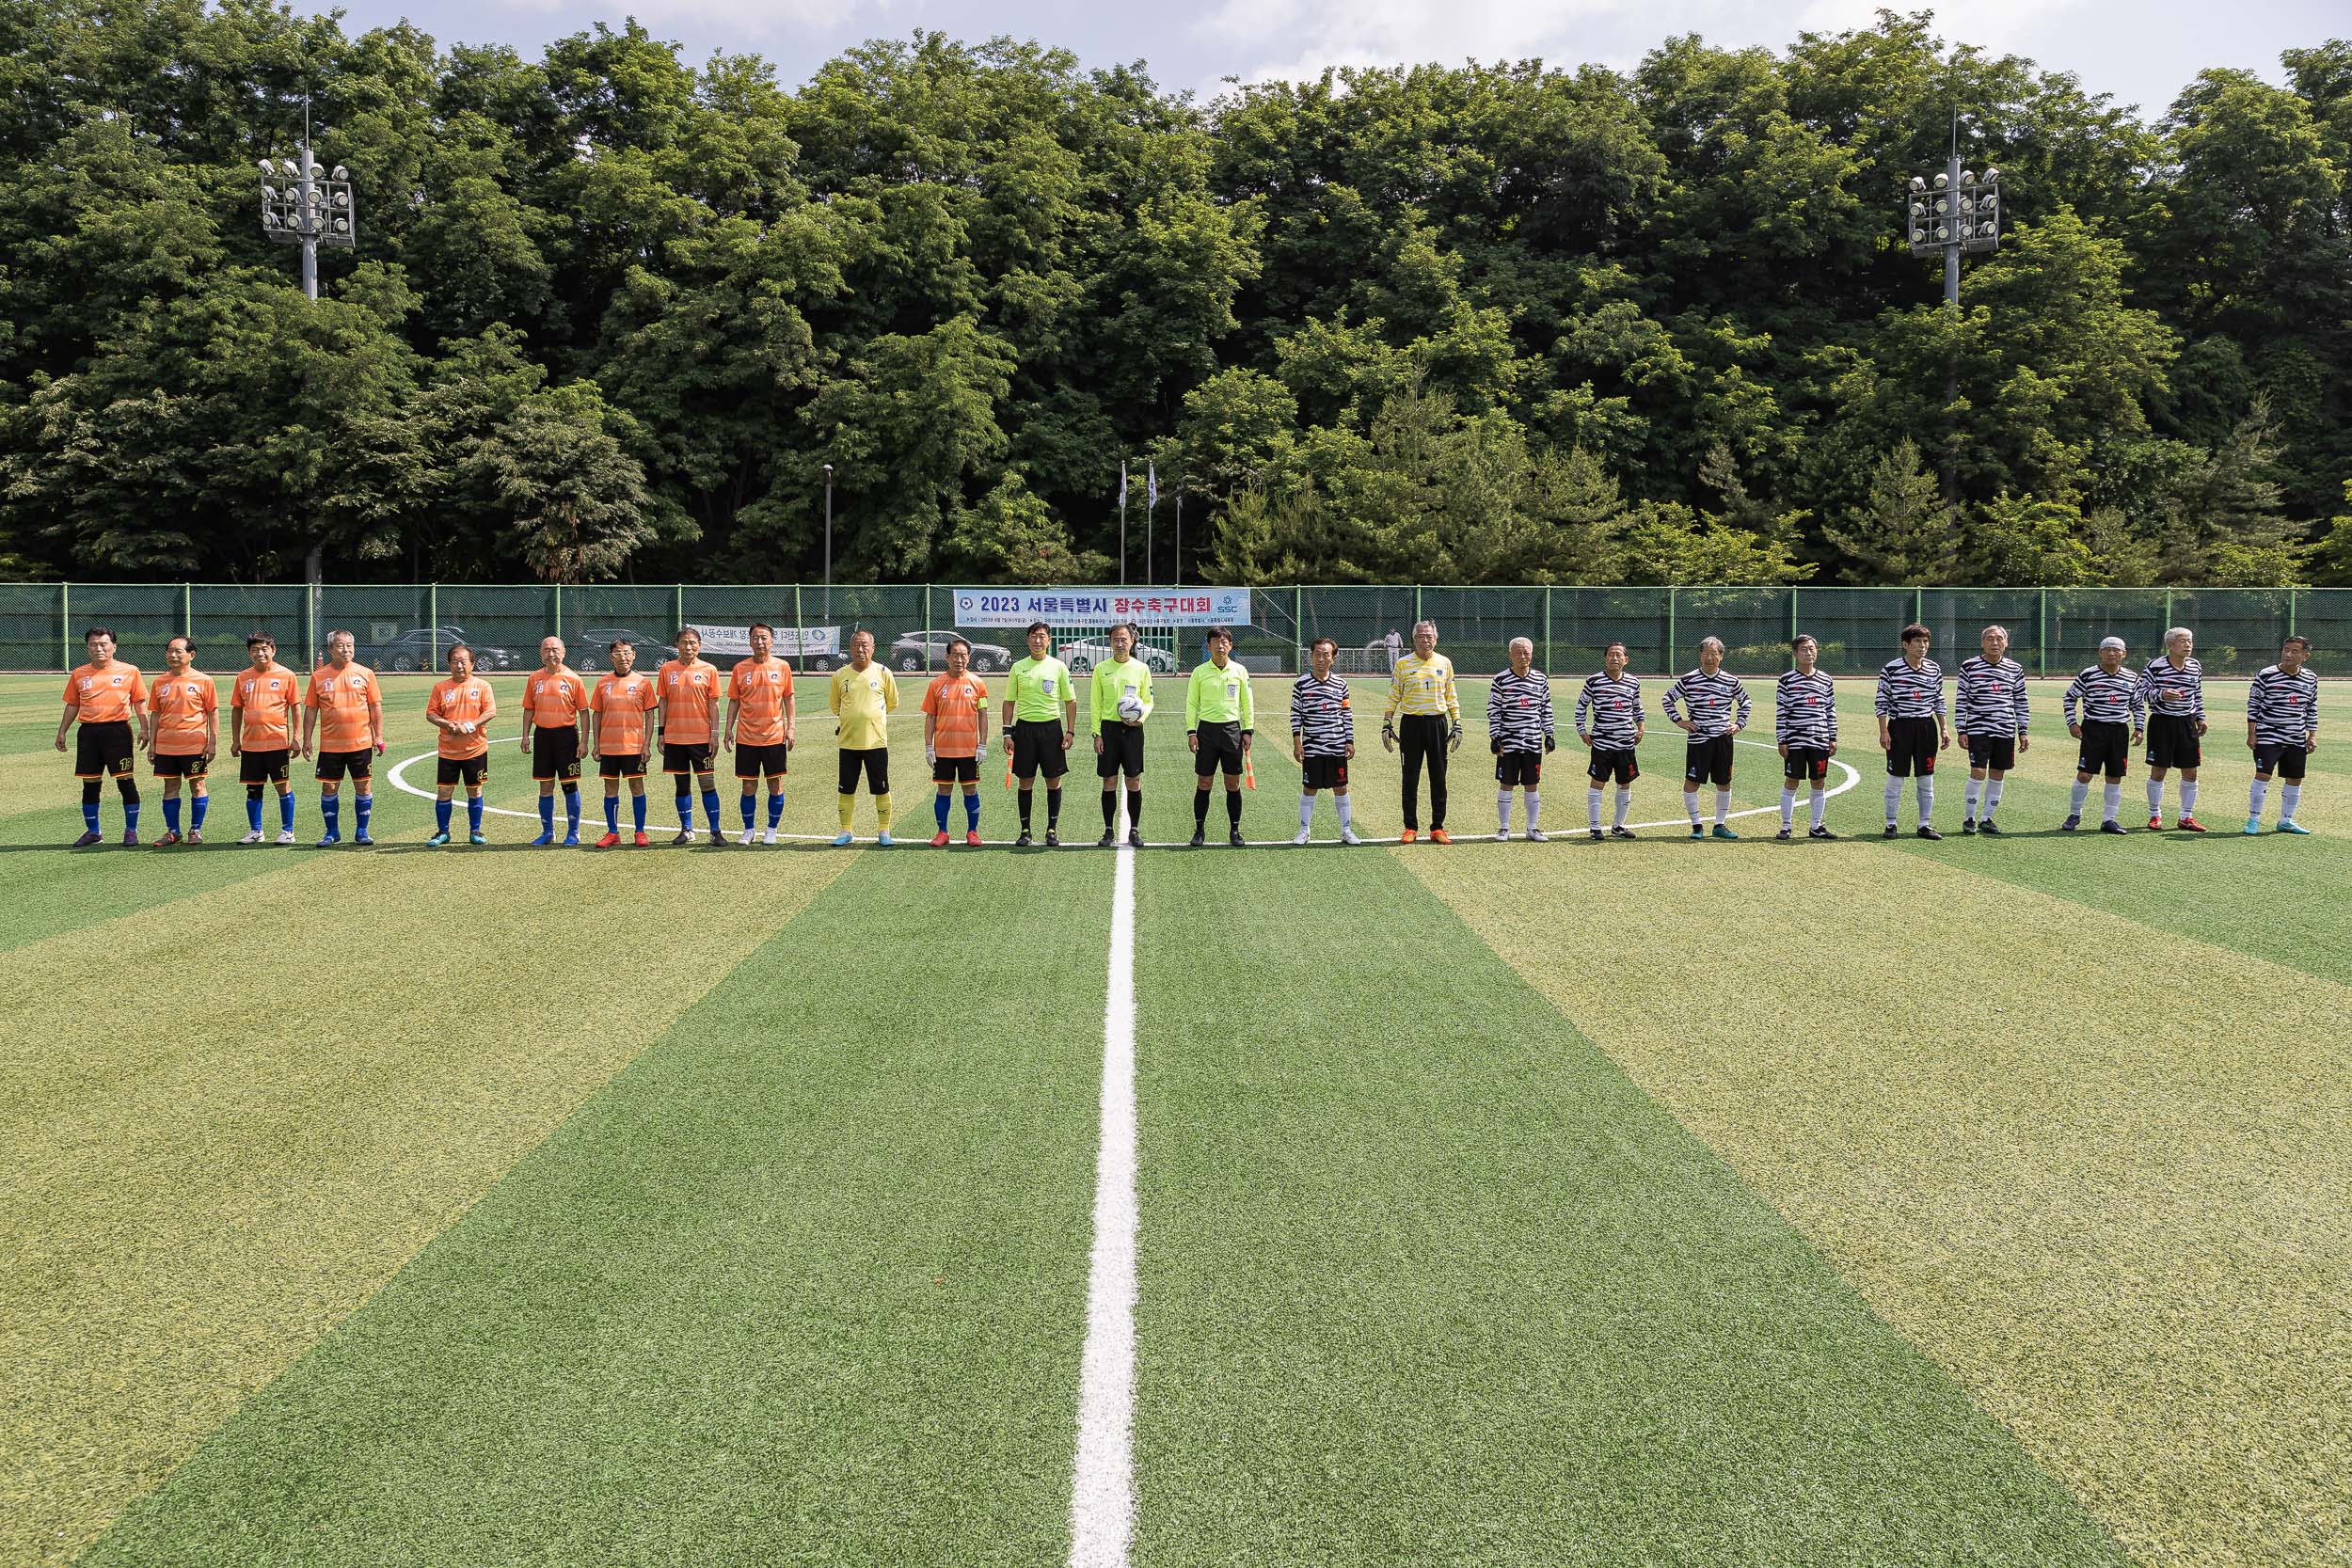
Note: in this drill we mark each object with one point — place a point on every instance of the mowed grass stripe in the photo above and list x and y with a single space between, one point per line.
227 1127
2095 1170
1425 1279
805 1285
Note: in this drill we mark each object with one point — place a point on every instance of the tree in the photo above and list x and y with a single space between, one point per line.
575 501
2221 520
1903 532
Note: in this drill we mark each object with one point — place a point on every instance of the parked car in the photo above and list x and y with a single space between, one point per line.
927 650
427 648
594 650
1085 654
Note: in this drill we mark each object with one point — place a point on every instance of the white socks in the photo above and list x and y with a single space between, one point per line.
1592 808
1787 807
1306 813
1820 805
2189 796
2155 796
2074 801
1992 798
1625 804
2256 796
2290 796
1893 797
1927 797
1722 806
1968 793
2114 799
1502 811
1691 805
1534 809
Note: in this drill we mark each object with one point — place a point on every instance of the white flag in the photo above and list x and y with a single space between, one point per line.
1151 484
1122 481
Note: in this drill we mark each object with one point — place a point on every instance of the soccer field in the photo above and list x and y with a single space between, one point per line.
1658 1202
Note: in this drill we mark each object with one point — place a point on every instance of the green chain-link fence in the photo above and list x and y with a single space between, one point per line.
410 625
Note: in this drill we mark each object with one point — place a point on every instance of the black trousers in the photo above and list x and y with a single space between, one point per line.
1422 737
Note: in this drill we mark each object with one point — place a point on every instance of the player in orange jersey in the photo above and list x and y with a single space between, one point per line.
103 694
618 707
689 722
182 732
461 707
955 739
555 710
261 703
762 720
344 711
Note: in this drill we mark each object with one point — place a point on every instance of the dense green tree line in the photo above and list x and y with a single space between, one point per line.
612 312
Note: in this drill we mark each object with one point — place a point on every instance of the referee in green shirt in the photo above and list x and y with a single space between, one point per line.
1041 724
1220 716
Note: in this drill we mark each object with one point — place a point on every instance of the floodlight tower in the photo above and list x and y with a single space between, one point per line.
1956 212
313 208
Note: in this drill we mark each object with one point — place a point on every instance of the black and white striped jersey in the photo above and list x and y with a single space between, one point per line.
1717 703
1805 709
1518 710
2283 708
2180 692
1321 717
1990 698
1609 712
2107 699
1908 694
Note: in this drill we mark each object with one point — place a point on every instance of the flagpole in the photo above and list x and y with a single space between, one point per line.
1180 533
1123 522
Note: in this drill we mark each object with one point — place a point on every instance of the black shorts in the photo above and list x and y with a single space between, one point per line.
264 767
1325 772
180 767
1704 760
554 753
1519 768
2285 758
1911 747
335 766
954 770
1995 754
1122 750
693 756
470 772
773 759
103 748
2106 748
874 762
1220 747
2172 741
630 764
1037 748
1810 763
1614 761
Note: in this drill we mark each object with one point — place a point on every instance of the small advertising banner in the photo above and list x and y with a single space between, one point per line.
791 642
1088 607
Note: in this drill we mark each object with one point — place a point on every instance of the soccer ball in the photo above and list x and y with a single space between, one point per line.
1131 708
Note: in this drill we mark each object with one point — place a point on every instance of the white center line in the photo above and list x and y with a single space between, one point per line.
1102 1498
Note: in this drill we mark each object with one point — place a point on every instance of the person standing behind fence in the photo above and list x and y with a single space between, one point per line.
1421 689
1519 732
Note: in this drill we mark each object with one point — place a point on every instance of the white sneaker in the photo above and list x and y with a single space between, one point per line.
1537 835
1301 838
768 837
286 838
748 839
253 837
1501 833
1347 835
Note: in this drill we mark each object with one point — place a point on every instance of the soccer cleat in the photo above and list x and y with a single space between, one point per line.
1199 838
2189 825
1107 839
719 838
1409 835
287 838
253 837
476 838
327 843
1988 828
1023 842
1502 836
2070 824
643 842
1598 834
1782 837
1135 837
168 840
971 838
2155 824
939 839
130 838
1537 835
571 840
686 835
1967 827
883 841
768 837
1698 831
840 841
748 838
2289 825
1235 839
94 836
1930 834
1820 833
2112 826
1621 831
610 841
436 841
1053 838
196 836
544 840
1722 832
1347 835
1438 835
2253 826
1892 829
1302 836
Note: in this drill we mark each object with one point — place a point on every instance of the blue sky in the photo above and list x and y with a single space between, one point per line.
2141 51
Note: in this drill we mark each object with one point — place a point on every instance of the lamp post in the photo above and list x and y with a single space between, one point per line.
828 544
1957 210
314 207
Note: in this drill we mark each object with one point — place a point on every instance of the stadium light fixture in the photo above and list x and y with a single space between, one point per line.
317 209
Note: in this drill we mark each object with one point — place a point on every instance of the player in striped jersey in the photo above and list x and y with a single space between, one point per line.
2112 716
1804 722
2282 728
1322 740
2173 688
1519 732
1990 711
1718 710
1911 729
1609 722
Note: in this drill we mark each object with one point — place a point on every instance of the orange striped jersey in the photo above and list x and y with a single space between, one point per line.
343 698
758 692
181 704
466 701
555 702
691 692
264 700
624 701
955 703
105 696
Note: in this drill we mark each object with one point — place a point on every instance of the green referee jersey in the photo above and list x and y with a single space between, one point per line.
1038 688
1114 680
1215 696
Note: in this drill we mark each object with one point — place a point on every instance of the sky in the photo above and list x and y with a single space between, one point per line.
2142 52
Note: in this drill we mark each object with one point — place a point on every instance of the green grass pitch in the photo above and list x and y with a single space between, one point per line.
1707 1203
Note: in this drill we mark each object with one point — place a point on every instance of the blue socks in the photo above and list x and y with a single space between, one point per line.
253 813
441 817
775 810
171 813
686 814
971 809
612 813
711 808
331 808
473 812
89 815
637 811
285 812
939 811
571 809
547 813
361 809
196 812
750 804
130 817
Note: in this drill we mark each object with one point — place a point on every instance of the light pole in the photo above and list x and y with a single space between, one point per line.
1957 210
311 210
828 544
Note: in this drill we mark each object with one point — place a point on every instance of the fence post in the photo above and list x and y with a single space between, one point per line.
1299 622
677 609
1548 590
1672 642
1792 614
2041 638
310 625
2290 613
187 613
1919 606
2167 613
559 609
1417 615
433 619
65 622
